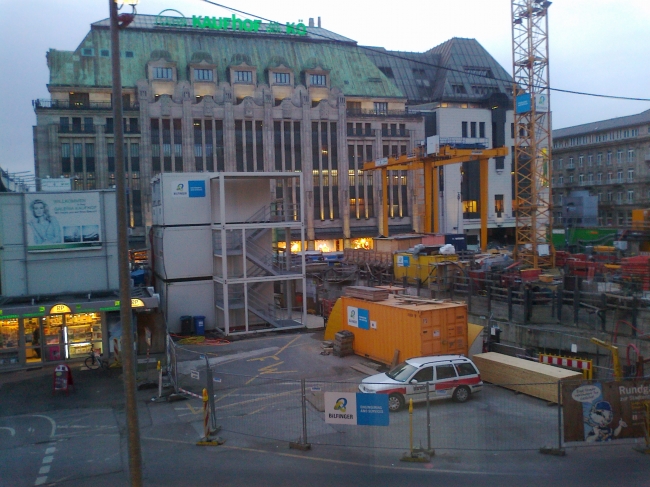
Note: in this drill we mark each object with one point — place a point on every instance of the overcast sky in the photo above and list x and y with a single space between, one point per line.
598 46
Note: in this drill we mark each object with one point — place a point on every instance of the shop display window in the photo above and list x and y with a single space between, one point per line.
52 338
83 332
33 339
8 342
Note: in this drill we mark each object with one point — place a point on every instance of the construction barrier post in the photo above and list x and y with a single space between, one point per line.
210 387
302 444
159 380
207 433
411 425
550 450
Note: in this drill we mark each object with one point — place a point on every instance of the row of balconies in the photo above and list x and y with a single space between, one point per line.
384 132
86 105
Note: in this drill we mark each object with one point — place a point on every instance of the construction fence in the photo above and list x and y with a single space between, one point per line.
262 408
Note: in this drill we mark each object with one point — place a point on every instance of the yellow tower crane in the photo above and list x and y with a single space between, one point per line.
532 122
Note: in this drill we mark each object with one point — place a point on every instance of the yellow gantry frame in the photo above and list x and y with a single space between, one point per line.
431 164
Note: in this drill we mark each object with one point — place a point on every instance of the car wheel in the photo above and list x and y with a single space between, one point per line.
395 402
461 394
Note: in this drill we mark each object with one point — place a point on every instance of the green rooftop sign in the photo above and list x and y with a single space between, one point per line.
228 24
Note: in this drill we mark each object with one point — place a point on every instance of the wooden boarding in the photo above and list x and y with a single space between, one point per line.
532 378
367 293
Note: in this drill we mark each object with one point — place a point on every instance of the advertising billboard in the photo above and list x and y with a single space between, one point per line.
605 411
66 221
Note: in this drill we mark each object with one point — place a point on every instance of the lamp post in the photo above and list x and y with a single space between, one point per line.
128 354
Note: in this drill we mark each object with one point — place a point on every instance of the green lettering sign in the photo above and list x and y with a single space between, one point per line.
232 23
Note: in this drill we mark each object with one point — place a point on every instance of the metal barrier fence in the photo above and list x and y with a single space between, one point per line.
260 407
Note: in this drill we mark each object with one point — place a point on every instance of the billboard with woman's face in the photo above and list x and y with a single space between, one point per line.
64 221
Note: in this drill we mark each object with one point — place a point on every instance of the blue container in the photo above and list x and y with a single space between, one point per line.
199 325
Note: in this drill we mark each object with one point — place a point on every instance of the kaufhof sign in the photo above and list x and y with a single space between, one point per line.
356 408
232 24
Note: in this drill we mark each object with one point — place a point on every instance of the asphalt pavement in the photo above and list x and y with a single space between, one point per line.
79 439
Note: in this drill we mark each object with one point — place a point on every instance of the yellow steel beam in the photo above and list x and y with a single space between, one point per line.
447 155
435 200
483 164
428 190
384 201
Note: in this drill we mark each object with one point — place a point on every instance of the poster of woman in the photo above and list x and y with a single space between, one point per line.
62 221
44 227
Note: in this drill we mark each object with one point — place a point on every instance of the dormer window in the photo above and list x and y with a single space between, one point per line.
317 80
281 78
162 73
203 75
243 76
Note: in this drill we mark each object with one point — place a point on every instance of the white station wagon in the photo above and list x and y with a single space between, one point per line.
449 376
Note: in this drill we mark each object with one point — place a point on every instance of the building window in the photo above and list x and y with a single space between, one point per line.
203 74
619 157
105 53
560 180
128 54
590 160
317 80
599 159
481 130
570 165
381 107
609 158
630 195
630 155
472 126
560 164
581 178
498 204
630 175
581 161
609 196
463 128
570 178
599 177
281 78
619 176
619 197
600 197
609 178
243 76
162 73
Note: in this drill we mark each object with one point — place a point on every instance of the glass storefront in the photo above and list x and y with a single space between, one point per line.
83 333
9 342
33 333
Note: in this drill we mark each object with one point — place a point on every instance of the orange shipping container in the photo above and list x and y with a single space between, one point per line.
425 328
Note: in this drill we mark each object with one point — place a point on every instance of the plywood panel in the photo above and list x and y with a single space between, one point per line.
532 378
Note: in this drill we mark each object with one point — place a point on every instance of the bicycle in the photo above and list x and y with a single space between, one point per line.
95 361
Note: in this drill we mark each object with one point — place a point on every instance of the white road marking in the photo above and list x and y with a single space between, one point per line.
52 422
45 469
50 450
40 480
48 459
10 430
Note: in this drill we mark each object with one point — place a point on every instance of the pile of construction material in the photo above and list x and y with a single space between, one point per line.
343 341
636 270
367 293
532 378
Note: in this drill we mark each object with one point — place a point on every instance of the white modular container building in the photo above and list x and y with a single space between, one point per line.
187 242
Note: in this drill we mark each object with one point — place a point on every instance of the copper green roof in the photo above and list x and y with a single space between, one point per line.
89 65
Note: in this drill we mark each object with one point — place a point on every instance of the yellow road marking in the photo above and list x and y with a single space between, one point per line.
194 411
257 399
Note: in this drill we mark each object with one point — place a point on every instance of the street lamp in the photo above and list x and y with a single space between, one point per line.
120 21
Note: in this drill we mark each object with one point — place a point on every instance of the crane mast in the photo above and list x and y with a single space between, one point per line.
532 133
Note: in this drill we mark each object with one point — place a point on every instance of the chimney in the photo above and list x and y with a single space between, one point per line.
318 22
311 21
